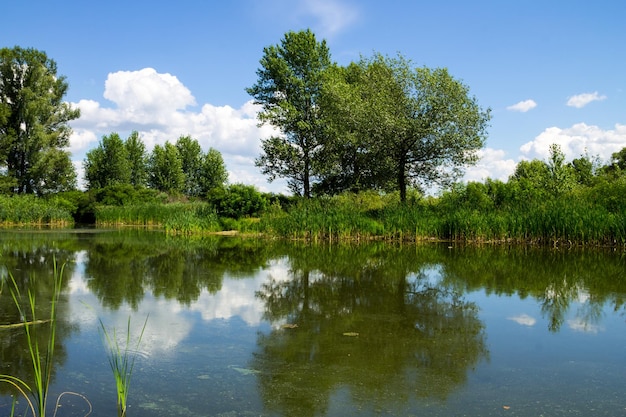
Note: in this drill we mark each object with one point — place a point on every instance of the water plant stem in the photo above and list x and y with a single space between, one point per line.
122 362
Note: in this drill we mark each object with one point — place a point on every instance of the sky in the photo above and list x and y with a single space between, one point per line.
551 72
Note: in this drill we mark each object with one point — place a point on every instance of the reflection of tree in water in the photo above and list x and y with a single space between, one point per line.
366 322
555 278
121 270
30 262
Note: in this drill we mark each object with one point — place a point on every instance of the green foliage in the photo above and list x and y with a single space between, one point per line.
288 88
166 169
31 210
213 172
137 160
176 218
122 362
34 124
107 164
238 200
126 194
191 157
400 125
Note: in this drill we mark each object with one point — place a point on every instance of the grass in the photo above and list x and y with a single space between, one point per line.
23 210
122 362
175 218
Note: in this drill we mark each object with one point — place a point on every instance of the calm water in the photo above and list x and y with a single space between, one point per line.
257 328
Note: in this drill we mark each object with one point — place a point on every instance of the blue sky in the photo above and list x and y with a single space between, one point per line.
552 72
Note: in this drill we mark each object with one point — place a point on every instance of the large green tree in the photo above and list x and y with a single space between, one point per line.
421 125
213 173
288 89
137 160
166 169
190 153
108 163
34 129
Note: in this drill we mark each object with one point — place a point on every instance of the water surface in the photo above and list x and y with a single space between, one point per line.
252 327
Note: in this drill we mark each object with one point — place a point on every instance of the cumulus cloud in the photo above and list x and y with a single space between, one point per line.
581 100
157 106
523 106
492 164
576 141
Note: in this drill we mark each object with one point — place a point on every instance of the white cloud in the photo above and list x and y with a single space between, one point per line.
523 106
576 141
136 91
492 164
581 100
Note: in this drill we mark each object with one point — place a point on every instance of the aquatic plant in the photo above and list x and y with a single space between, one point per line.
22 210
122 362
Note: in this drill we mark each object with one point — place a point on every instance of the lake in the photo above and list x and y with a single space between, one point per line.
248 327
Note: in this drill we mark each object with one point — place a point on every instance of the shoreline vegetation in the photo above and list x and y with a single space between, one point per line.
594 216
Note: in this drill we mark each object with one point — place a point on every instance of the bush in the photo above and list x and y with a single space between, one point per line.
238 200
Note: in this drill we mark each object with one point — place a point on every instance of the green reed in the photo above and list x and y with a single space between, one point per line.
36 394
176 218
30 210
122 362
568 219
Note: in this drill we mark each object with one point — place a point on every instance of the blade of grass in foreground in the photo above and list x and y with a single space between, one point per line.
122 362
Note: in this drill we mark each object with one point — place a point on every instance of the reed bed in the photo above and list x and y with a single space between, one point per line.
28 210
567 221
175 218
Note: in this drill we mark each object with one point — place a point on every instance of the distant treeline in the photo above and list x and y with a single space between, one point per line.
544 202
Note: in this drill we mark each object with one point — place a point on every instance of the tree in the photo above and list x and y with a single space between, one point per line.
420 124
353 158
166 169
137 160
191 157
108 163
288 89
213 172
34 119
561 177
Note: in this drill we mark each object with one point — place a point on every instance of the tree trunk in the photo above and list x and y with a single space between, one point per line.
402 179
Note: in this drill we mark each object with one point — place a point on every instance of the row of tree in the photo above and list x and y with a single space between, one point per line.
179 168
378 123
35 131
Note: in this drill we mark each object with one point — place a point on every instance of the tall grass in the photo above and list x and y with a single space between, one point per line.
21 210
176 218
565 220
122 362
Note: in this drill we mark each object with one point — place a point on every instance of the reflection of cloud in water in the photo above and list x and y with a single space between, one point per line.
579 325
523 319
168 321
236 298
